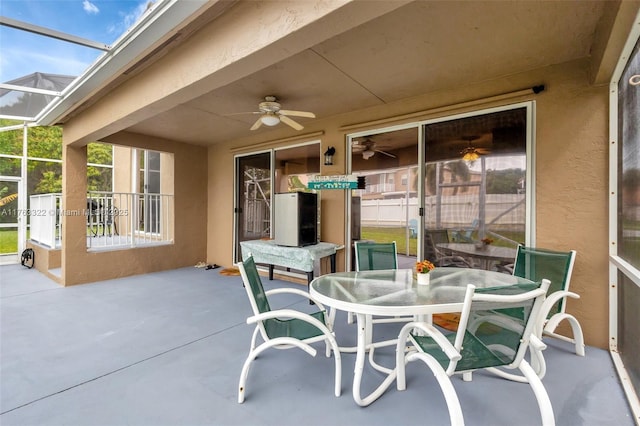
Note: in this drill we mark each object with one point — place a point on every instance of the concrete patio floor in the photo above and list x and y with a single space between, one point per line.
167 348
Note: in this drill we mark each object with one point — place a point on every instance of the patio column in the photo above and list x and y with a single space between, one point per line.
74 205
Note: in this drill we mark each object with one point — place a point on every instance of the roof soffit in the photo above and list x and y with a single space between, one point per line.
226 50
331 68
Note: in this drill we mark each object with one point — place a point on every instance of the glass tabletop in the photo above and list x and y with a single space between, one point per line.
396 292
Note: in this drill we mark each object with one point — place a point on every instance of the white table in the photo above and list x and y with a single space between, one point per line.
299 258
486 254
393 293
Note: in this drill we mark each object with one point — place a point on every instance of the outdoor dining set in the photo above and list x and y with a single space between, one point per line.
501 317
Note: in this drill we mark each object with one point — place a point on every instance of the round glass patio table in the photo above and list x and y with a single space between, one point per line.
397 293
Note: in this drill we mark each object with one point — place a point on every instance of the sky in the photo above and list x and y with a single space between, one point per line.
23 53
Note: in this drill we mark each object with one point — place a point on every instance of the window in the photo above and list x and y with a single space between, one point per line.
629 170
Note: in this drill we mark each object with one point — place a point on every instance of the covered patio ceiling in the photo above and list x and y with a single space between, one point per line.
402 50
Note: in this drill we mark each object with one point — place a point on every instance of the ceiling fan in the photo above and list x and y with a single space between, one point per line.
368 148
471 153
271 114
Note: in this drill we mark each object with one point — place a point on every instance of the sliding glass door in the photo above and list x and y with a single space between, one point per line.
387 208
476 174
253 199
467 175
259 176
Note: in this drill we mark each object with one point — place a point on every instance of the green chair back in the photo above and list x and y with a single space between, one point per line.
275 327
490 331
375 256
556 266
432 238
490 335
255 285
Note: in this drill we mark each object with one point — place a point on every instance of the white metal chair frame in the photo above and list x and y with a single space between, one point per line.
286 342
547 323
453 351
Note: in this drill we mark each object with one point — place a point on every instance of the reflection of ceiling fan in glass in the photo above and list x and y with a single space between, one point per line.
368 148
471 153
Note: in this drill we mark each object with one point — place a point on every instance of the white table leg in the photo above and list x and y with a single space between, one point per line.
364 333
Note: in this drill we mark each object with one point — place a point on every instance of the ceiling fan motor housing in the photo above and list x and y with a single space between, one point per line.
269 104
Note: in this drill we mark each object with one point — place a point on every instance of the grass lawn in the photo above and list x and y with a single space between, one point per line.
399 235
387 235
8 241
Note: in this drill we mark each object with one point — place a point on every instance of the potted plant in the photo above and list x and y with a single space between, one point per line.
483 243
423 268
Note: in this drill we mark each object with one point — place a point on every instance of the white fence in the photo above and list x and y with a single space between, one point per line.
458 211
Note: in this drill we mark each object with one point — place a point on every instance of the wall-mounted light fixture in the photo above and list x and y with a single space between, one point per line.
328 156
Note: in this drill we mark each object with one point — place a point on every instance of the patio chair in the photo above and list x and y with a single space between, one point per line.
92 217
464 235
284 328
488 336
371 256
413 228
536 264
436 255
374 256
556 266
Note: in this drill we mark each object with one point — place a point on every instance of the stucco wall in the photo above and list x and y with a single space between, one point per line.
190 201
571 187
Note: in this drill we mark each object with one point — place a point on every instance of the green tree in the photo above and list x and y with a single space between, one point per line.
99 178
504 181
10 140
459 171
46 143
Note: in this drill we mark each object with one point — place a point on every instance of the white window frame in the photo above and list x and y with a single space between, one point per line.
616 263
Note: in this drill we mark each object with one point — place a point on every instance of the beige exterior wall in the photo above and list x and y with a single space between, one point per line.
122 168
48 259
571 194
189 186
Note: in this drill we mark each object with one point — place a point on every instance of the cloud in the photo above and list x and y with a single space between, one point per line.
90 8
129 18
133 16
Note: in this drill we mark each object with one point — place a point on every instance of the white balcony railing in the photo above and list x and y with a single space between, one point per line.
115 220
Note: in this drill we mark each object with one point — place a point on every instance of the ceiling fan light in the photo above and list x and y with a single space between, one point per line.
270 119
470 156
368 153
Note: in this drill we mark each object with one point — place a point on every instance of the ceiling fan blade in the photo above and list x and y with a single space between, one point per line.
290 122
297 113
242 113
388 154
257 124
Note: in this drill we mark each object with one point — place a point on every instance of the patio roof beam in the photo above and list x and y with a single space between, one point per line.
161 20
29 89
14 23
16 117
